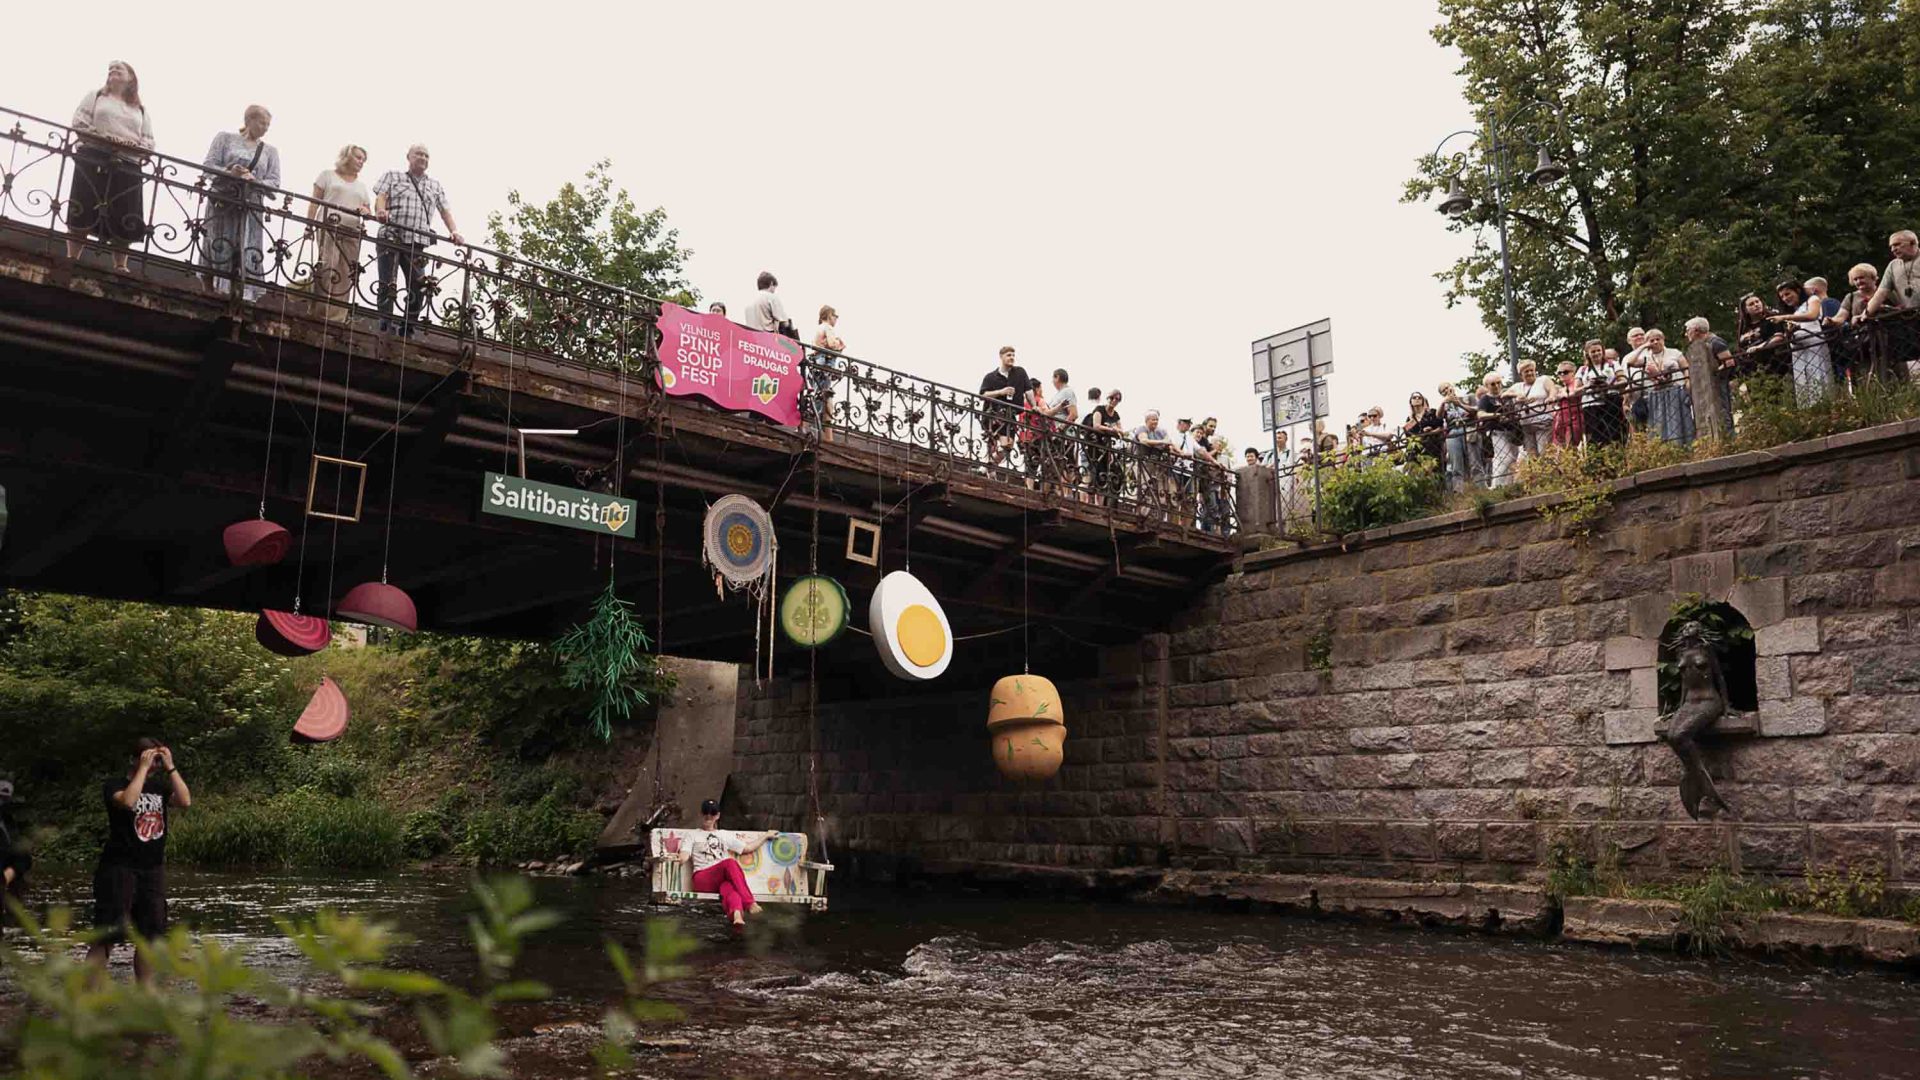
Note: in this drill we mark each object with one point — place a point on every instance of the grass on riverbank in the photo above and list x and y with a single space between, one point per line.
1711 901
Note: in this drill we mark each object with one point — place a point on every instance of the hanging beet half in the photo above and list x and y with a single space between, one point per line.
378 604
325 717
255 542
288 634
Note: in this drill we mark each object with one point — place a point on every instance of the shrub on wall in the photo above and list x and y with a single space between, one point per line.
1377 491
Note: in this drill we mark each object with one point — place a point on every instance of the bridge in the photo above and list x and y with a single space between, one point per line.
143 410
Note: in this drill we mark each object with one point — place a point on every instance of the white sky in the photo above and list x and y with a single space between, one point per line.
1134 191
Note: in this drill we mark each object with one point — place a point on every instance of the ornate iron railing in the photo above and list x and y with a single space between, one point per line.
1019 445
250 243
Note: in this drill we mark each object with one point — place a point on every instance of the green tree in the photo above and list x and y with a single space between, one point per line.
1714 149
593 232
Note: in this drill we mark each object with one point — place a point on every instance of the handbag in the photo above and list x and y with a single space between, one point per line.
232 187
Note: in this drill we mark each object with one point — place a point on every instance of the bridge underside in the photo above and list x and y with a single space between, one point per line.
135 413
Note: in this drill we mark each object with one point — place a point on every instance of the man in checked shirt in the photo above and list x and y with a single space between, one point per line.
406 202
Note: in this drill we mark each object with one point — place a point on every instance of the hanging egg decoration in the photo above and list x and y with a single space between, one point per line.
814 611
909 628
288 634
377 603
255 542
1027 727
325 717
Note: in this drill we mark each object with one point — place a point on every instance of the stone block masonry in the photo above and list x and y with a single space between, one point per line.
1491 694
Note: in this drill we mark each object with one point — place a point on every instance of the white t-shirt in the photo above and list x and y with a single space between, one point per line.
1063 397
826 337
342 195
709 848
766 313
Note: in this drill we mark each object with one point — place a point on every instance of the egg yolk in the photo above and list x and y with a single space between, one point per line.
920 636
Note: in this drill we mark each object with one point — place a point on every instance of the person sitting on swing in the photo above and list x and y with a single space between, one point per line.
716 870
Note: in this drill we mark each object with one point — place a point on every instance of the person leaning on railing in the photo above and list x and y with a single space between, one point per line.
407 200
242 167
1569 420
1495 411
341 202
1464 462
1811 366
821 375
1602 405
1669 406
115 133
1535 394
1899 290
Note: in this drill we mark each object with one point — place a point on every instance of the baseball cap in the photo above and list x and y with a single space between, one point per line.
710 806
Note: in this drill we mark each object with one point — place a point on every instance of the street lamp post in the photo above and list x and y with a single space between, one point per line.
1493 159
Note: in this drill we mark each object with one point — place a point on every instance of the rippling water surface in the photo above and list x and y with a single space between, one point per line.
906 984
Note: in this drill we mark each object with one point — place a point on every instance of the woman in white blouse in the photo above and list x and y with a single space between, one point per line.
341 202
1536 396
115 133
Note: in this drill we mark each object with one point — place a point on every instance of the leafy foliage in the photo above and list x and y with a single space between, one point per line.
1585 475
302 828
587 230
608 656
1376 491
80 1027
1768 415
1713 149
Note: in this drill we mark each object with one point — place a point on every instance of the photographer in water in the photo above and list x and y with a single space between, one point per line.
130 884
14 860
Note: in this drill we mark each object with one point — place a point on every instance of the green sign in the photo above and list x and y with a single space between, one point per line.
551 504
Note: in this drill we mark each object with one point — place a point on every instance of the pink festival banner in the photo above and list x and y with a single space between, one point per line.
712 357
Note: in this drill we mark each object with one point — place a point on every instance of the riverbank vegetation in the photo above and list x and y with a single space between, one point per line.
1710 902
1388 489
211 1014
460 749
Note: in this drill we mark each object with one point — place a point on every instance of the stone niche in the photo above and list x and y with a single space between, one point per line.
1783 710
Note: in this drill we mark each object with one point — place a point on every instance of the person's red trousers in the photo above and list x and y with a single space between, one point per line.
726 878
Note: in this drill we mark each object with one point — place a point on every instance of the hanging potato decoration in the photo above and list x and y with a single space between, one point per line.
1027 726
814 611
909 628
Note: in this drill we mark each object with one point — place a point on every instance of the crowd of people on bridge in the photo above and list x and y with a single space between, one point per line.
106 202
1480 434
1039 433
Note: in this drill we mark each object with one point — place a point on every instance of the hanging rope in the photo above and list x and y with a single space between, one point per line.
393 468
813 679
273 409
1026 657
339 475
313 449
620 441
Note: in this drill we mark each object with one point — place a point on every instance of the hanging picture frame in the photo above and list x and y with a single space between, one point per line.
359 488
863 542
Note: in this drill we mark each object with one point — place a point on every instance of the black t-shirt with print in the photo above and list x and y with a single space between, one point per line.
136 838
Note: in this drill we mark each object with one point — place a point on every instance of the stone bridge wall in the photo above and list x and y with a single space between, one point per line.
1485 689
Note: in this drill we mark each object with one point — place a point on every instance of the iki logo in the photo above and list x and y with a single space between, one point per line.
765 387
616 516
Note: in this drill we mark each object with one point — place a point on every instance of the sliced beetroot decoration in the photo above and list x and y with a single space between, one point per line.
288 634
255 542
378 604
325 717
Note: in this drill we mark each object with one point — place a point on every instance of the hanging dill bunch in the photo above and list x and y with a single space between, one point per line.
608 655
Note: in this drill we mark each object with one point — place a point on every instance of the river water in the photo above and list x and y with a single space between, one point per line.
895 983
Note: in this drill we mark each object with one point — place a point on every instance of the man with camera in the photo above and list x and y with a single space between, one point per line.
130 884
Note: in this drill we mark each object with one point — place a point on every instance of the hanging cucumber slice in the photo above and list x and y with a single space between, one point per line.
814 611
